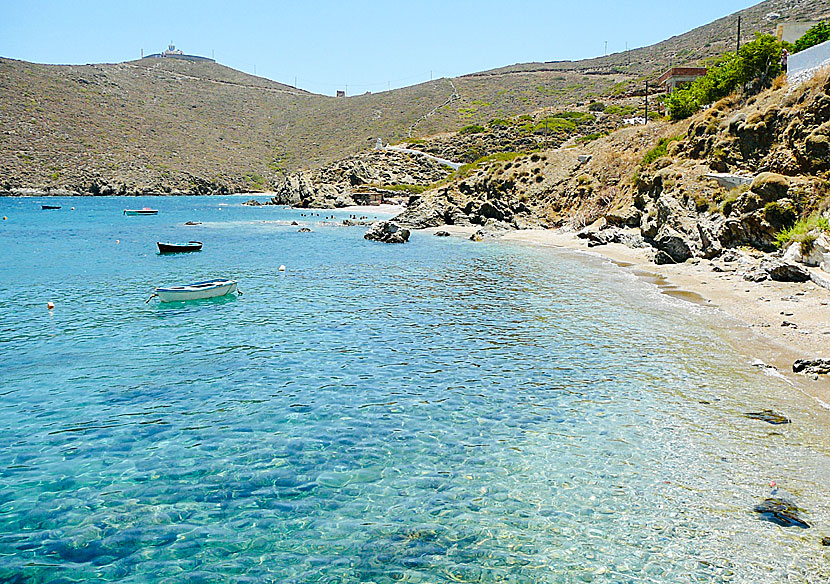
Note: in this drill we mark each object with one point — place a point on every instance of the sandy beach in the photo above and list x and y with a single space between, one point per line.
776 322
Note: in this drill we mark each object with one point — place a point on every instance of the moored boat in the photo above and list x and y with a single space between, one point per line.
196 291
142 211
45 207
179 247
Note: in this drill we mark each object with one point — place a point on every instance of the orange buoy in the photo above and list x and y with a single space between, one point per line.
50 305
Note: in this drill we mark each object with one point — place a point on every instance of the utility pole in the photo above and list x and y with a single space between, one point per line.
142 53
295 82
738 50
646 102
606 48
627 54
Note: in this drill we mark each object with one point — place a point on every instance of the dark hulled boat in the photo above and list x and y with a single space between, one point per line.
179 247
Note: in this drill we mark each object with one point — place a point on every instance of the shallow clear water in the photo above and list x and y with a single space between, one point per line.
441 411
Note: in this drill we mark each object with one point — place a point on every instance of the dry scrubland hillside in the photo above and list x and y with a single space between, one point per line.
648 186
695 46
158 126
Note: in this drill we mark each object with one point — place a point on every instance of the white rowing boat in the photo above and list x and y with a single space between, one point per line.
196 291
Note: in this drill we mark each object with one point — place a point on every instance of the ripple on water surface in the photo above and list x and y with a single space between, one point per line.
440 411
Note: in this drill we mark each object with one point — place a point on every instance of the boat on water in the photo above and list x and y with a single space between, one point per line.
45 207
179 247
142 211
196 291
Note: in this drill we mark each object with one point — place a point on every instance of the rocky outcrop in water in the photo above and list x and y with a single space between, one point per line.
768 416
387 232
781 512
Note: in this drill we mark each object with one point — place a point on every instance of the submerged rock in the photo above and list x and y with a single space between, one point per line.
304 230
768 416
387 232
442 234
812 366
252 203
781 512
193 223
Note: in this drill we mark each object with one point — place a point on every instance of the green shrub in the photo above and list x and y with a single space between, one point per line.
660 150
800 231
815 36
472 129
590 137
754 67
621 110
597 106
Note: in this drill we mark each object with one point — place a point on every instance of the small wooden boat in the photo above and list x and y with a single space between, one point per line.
196 291
179 247
142 211
44 207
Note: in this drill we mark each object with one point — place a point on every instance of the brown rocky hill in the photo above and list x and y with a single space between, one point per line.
693 47
661 187
165 125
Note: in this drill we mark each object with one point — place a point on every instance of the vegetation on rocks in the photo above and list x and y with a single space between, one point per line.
804 231
752 68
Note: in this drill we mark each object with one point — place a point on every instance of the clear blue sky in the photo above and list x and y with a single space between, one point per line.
327 44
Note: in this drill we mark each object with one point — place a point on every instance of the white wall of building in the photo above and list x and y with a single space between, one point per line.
802 66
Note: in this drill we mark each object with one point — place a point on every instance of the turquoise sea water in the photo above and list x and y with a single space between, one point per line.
440 411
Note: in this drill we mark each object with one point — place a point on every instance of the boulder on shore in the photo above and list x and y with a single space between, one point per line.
387 232
812 366
784 271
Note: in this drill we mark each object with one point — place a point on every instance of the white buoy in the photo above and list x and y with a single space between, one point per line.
50 305
282 268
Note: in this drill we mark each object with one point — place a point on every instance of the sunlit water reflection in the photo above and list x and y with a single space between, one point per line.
442 411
